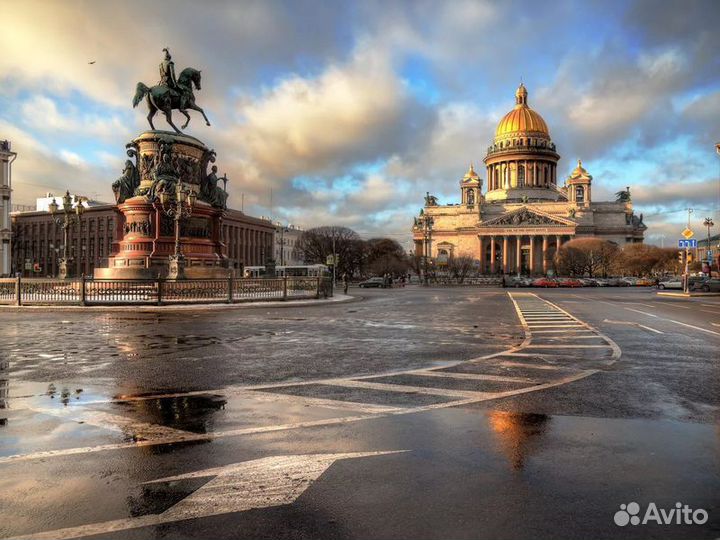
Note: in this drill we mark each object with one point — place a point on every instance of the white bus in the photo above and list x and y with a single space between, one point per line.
308 270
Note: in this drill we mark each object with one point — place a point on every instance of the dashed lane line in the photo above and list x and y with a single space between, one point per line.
632 323
676 322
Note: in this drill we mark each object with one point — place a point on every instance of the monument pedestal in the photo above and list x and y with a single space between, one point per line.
147 234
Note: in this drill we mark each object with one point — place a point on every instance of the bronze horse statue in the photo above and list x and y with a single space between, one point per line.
165 99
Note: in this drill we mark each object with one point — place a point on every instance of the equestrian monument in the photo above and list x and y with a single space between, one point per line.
171 204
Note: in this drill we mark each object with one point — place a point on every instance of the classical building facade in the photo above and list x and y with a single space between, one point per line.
286 236
6 159
524 216
38 239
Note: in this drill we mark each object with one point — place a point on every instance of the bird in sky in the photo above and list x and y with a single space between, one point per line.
91 62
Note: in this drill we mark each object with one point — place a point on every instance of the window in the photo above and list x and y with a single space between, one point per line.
521 175
471 196
580 194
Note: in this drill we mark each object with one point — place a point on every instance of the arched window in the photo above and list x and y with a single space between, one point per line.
521 175
497 179
579 194
471 196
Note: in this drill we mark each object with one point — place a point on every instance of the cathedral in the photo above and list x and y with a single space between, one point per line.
524 216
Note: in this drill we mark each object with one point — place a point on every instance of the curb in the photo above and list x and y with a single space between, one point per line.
337 299
687 295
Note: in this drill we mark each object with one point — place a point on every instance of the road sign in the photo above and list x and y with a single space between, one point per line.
688 234
687 243
332 260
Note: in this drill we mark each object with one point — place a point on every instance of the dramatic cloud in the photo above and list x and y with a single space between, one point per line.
349 111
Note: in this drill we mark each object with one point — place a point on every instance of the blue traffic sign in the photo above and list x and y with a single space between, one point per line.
687 243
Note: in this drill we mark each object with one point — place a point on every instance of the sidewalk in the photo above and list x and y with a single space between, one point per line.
337 298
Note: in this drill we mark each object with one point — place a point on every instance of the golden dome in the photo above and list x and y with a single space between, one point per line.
579 172
471 175
522 120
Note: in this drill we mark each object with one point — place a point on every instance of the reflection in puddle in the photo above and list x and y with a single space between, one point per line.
518 433
186 413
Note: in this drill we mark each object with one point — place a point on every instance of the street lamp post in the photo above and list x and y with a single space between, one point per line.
178 206
69 217
427 223
709 224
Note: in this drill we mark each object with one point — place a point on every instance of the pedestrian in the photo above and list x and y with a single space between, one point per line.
345 282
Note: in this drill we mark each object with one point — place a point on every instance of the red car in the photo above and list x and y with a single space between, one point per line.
544 282
569 282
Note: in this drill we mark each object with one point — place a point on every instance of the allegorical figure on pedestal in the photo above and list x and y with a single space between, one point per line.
171 94
211 193
125 186
165 177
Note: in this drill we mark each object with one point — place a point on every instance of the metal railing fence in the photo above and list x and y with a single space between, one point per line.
88 291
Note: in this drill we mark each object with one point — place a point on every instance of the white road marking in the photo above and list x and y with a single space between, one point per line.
632 323
123 424
476 376
568 347
531 366
561 331
386 387
677 322
643 312
238 487
710 311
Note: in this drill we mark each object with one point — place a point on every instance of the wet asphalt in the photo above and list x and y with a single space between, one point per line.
95 405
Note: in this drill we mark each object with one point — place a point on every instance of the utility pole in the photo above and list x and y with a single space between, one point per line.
686 281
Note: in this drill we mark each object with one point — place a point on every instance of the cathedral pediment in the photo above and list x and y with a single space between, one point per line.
528 217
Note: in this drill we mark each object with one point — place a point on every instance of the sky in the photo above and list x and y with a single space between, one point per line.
348 112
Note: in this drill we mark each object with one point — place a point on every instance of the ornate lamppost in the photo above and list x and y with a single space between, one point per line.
69 217
178 206
427 223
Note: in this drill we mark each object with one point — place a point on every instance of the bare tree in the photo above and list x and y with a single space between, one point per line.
314 246
643 259
586 256
386 256
459 267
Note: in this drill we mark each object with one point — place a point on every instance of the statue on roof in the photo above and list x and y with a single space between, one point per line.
430 200
623 196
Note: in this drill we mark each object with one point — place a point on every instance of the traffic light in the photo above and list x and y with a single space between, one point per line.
681 257
689 257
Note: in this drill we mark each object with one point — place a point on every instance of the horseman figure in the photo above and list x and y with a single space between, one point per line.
167 71
171 93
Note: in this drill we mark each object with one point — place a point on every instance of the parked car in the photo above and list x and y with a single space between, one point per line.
372 282
618 282
569 282
589 282
706 285
516 281
670 283
544 282
645 282
602 282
